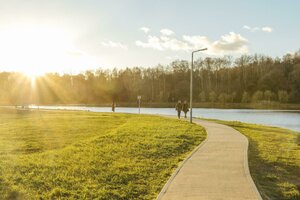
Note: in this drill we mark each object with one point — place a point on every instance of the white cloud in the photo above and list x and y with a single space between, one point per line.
246 27
166 32
229 43
197 41
175 45
164 38
267 29
114 45
254 29
163 43
153 42
145 29
232 42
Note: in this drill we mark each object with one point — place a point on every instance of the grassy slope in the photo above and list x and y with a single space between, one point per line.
274 159
86 155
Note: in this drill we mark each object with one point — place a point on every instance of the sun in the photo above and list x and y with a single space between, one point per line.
33 75
37 49
27 48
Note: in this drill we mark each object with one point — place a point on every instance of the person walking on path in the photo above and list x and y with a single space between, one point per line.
113 106
185 108
178 107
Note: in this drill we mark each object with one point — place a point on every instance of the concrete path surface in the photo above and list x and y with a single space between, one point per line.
217 170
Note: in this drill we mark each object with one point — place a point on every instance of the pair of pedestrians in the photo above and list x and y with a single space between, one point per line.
182 107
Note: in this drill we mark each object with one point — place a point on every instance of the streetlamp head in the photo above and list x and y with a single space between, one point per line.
204 49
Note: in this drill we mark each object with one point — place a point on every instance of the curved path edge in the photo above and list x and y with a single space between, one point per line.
166 186
203 176
247 172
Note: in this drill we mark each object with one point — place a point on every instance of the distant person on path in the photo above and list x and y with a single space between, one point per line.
185 108
113 106
178 107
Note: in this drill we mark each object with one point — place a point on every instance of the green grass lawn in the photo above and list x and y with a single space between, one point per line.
274 160
85 155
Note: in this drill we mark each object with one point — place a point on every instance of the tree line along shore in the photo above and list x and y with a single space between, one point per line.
247 82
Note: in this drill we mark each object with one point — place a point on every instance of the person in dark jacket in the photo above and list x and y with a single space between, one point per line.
185 108
113 106
178 108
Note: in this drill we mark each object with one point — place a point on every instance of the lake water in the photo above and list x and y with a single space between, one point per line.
279 118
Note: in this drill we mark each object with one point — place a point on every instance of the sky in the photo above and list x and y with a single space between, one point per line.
69 36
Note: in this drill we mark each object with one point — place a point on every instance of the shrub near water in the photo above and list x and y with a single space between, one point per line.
82 155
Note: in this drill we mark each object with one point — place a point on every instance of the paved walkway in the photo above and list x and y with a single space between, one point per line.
217 170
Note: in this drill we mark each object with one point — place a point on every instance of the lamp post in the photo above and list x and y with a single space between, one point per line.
139 99
191 84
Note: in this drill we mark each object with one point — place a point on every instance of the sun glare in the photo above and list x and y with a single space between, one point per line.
32 75
29 48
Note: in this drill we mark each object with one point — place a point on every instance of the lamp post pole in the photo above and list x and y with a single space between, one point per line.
191 84
139 99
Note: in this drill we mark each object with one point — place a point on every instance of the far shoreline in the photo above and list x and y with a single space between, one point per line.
257 106
147 111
